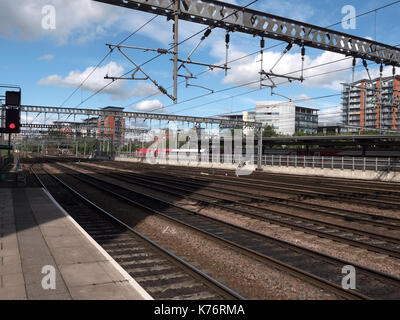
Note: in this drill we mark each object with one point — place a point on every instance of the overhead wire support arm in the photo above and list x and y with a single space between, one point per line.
189 61
211 66
193 85
289 78
197 86
159 50
278 94
138 68
267 76
287 49
236 18
205 35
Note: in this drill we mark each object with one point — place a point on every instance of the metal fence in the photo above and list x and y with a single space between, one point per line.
343 163
194 157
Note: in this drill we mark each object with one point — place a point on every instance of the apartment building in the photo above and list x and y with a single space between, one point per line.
372 104
112 127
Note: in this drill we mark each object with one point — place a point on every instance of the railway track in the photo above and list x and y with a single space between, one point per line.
388 188
387 199
367 240
233 187
385 202
363 187
266 176
319 269
318 185
161 273
262 176
386 191
244 198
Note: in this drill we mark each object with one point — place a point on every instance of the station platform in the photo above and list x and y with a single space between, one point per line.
45 254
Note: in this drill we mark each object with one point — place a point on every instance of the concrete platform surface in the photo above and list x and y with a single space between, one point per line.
45 254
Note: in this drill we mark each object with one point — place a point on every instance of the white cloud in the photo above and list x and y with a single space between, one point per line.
289 9
77 20
150 105
82 20
303 97
118 90
145 89
46 57
331 77
375 73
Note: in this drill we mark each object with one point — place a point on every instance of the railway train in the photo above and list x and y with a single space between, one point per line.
143 152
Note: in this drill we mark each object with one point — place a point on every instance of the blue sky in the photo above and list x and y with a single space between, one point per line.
50 64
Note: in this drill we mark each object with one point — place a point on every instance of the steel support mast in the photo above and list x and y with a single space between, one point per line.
176 36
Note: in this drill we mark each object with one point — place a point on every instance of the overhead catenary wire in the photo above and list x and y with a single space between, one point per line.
181 82
101 89
155 57
240 94
235 60
281 43
106 56
253 82
246 84
367 12
158 55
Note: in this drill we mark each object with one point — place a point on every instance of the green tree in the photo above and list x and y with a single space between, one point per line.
269 131
300 134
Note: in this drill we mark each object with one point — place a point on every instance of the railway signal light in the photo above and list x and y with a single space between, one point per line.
13 98
13 120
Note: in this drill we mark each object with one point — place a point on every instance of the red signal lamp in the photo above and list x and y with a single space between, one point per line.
12 125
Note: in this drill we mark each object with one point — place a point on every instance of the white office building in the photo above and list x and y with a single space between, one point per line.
287 118
277 114
250 117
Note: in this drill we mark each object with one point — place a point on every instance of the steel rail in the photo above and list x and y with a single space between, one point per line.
197 273
349 215
312 278
256 213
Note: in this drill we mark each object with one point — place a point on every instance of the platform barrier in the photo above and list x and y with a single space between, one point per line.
342 163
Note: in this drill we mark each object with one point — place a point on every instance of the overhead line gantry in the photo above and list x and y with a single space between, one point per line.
235 18
133 115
